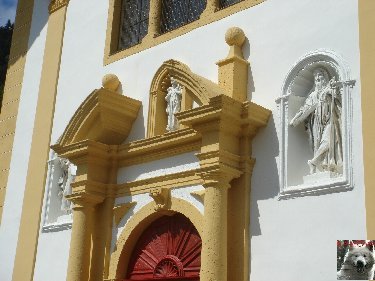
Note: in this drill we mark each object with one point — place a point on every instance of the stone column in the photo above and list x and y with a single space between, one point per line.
214 247
80 244
101 237
154 18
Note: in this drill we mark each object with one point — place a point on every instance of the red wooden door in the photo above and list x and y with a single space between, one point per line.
169 249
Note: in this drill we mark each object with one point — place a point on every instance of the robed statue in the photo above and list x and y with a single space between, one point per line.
68 172
321 114
173 98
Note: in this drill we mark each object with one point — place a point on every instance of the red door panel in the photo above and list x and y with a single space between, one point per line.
169 249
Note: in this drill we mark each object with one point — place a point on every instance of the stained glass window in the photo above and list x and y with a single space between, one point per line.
175 13
226 3
134 22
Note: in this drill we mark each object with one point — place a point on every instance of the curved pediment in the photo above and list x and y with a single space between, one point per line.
199 87
105 116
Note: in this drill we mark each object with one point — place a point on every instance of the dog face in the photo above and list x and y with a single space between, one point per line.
361 258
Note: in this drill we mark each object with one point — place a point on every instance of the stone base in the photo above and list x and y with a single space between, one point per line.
320 177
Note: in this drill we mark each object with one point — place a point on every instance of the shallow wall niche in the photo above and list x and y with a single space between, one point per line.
58 210
301 171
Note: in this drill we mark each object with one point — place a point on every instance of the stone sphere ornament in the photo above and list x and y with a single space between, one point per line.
110 82
235 36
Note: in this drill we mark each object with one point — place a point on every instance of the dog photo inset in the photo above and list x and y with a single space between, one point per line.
355 259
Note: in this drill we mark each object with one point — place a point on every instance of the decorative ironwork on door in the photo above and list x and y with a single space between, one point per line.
169 249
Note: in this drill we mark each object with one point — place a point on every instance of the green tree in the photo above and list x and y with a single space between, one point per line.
6 32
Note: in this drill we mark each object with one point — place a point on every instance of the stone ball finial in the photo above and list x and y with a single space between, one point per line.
110 82
235 36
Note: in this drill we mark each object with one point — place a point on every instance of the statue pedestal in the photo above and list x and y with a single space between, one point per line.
320 177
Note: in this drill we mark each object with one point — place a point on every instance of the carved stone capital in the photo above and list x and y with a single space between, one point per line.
84 200
218 176
161 197
87 194
57 4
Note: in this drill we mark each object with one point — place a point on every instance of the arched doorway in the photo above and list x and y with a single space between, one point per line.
169 249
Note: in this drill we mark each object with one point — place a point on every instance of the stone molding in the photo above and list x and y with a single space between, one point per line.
56 5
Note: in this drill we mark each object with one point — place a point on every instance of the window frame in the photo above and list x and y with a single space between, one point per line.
136 24
153 38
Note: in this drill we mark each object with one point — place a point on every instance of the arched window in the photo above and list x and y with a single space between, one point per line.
134 22
176 13
169 249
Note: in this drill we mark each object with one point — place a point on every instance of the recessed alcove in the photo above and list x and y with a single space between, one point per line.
57 217
295 146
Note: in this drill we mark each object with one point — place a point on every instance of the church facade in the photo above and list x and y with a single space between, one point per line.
186 140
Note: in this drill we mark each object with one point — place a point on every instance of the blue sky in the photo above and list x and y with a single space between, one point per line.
7 10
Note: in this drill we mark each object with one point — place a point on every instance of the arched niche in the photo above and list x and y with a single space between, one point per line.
295 149
138 224
196 92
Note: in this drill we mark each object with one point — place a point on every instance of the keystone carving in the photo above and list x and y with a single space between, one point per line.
162 197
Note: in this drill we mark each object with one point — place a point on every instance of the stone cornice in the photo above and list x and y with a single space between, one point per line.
158 147
105 116
80 152
56 5
88 192
175 180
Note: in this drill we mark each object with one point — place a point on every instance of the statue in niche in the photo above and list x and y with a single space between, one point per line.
68 172
173 98
321 114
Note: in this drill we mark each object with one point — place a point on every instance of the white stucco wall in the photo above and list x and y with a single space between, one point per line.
166 166
11 216
284 234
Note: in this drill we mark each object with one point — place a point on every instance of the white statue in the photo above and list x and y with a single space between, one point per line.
173 99
321 114
68 172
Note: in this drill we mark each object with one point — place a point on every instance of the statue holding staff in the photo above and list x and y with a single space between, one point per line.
321 114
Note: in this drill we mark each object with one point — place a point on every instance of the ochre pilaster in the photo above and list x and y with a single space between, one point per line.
12 91
366 10
214 244
36 173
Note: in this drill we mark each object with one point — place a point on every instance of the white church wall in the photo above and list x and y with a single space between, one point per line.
303 231
52 256
285 234
166 166
11 216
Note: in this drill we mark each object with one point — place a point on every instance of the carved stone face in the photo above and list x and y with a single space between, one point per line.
320 78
